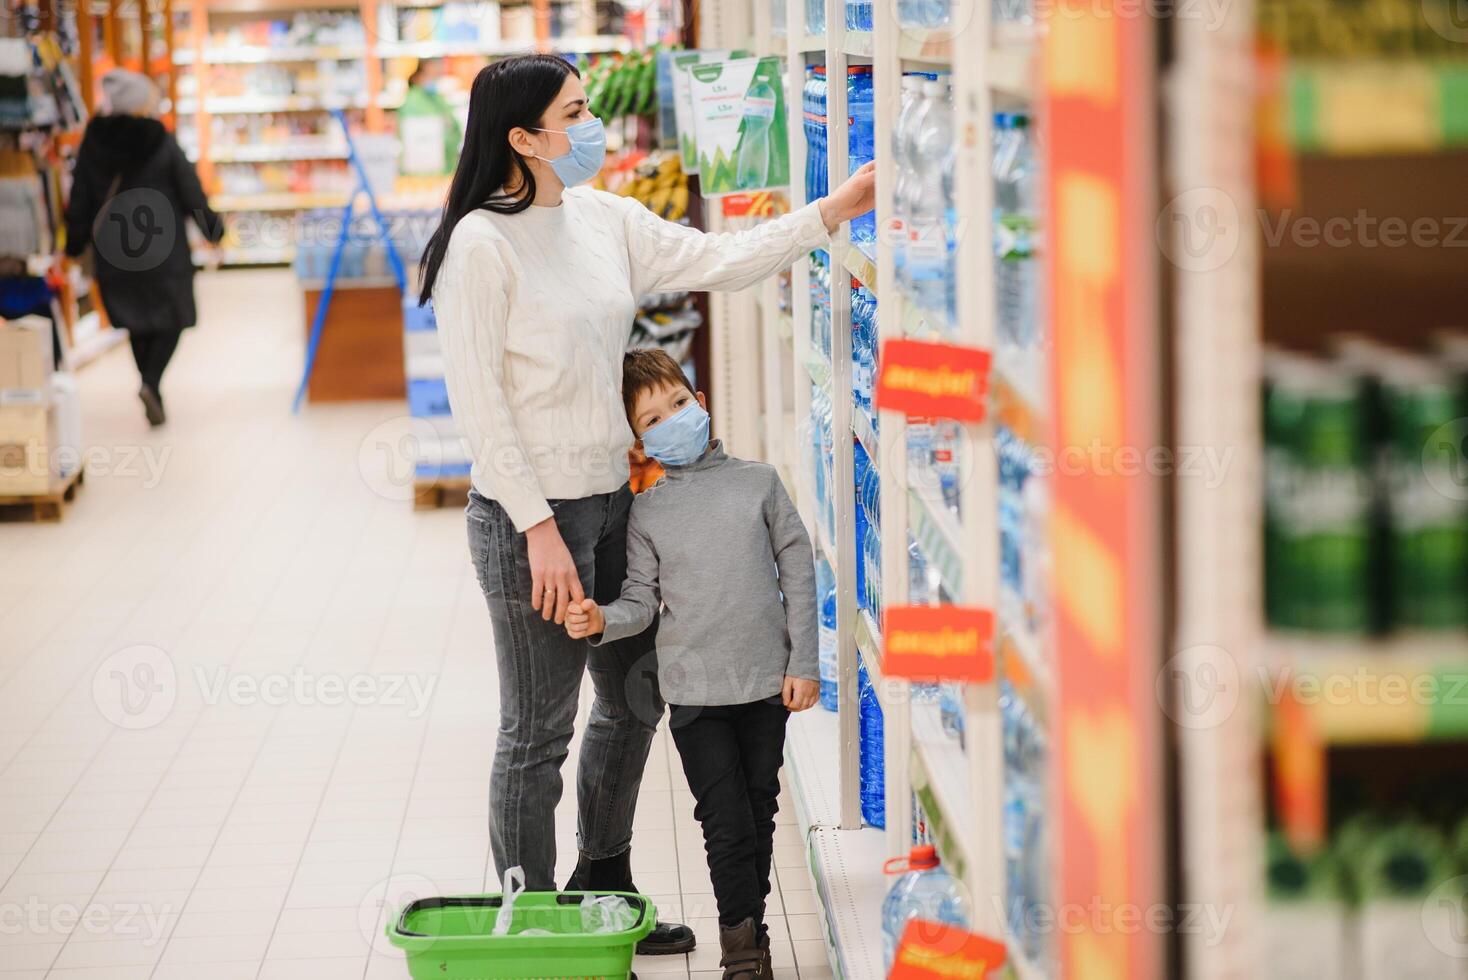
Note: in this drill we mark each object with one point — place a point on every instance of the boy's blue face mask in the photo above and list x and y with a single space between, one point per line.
680 438
587 154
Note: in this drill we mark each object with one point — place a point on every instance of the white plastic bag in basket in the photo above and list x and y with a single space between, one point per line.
607 913
514 884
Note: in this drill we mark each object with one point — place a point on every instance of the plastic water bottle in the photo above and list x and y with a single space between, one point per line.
861 140
753 167
859 463
778 26
873 765
814 103
815 16
928 264
858 15
826 593
947 461
872 557
935 13
924 891
950 706
921 591
905 134
912 85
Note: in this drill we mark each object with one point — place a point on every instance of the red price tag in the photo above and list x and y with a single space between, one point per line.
933 951
934 380
945 642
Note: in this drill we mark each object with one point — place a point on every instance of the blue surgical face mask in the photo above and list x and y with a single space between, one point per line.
680 438
587 154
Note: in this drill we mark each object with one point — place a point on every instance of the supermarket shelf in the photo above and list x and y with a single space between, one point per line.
1026 669
918 46
860 265
589 44
869 644
283 201
940 777
222 105
812 44
917 324
1012 67
857 43
247 54
248 256
785 323
813 739
846 865
818 366
1363 107
861 427
936 529
268 153
1403 689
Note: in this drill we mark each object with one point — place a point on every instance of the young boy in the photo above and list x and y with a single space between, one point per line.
717 545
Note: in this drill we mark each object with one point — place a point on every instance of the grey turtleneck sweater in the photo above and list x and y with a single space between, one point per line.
716 543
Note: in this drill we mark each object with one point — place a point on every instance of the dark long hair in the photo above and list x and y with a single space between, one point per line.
509 93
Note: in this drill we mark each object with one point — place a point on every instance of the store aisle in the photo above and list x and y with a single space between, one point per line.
247 693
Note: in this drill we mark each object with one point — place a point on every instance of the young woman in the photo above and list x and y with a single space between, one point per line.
131 192
535 282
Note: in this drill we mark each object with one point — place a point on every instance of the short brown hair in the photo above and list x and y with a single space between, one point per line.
644 370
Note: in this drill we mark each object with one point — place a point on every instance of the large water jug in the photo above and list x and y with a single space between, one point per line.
924 891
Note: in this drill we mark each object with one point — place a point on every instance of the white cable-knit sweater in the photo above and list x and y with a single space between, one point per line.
534 310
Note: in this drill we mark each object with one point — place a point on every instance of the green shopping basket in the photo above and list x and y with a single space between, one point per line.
454 939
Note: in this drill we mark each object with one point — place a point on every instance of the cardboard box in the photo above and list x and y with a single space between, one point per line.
26 437
25 361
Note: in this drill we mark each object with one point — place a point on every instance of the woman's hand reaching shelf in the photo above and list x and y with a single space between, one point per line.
856 196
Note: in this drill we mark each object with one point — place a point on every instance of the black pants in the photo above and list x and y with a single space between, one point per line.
152 351
731 756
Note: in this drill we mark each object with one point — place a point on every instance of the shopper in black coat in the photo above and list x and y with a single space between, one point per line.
131 192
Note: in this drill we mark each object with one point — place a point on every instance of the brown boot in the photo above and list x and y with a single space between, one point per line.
745 957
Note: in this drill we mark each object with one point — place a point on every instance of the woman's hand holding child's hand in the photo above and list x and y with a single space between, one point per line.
584 619
800 694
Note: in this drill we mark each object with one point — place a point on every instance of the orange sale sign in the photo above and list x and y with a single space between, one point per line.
934 380
953 643
933 951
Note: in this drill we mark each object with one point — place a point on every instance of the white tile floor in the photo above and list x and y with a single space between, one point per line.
213 758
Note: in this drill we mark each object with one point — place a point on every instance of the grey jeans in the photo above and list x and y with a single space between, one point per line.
540 671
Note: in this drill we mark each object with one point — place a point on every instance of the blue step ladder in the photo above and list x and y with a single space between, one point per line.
362 187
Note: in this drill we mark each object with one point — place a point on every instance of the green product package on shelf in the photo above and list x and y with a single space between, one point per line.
683 98
739 122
